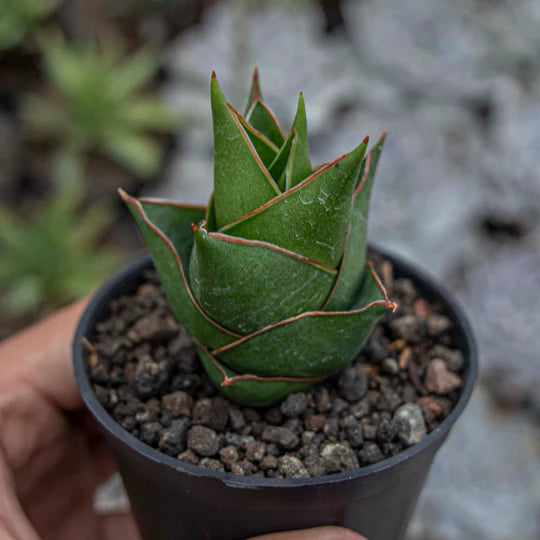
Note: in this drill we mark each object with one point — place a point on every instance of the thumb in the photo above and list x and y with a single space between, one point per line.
318 533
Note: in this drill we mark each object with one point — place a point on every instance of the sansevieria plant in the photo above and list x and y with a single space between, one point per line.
271 278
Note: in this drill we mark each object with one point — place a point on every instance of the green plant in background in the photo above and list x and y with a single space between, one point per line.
17 17
271 278
99 104
52 259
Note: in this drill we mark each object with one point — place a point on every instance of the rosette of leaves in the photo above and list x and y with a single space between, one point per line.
271 277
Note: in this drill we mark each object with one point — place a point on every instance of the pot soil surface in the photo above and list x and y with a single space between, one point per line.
146 373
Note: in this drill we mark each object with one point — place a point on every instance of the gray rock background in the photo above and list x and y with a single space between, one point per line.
457 87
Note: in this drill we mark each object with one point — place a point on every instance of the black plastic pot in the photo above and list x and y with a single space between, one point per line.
175 500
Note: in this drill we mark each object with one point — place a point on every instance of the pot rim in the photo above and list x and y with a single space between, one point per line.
425 281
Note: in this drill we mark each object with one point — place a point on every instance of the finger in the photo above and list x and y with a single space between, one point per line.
41 356
13 521
318 533
115 526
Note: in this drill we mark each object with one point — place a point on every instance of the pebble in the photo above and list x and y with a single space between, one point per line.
389 365
439 379
203 440
360 409
369 431
453 358
239 441
236 418
292 467
149 377
316 465
387 431
430 408
151 432
354 431
228 455
352 383
177 404
314 422
212 464
294 404
321 399
331 427
410 424
408 327
213 413
153 327
438 324
370 454
189 456
339 458
173 438
255 450
268 462
274 416
243 467
282 436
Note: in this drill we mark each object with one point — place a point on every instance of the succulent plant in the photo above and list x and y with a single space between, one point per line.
271 278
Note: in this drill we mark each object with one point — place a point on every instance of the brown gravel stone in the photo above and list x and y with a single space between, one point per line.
255 450
339 458
438 324
439 379
228 455
212 464
314 422
292 467
177 404
243 468
268 462
282 436
189 456
203 440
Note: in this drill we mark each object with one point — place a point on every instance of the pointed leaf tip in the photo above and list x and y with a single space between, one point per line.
194 228
214 76
123 194
366 140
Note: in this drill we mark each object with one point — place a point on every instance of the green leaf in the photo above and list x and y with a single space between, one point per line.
263 120
246 285
299 165
254 92
348 284
311 219
277 167
266 149
167 230
250 393
241 181
312 344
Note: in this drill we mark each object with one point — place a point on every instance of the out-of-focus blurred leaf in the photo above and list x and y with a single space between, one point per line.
99 103
17 17
139 153
53 257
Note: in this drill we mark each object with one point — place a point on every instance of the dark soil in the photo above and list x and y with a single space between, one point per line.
146 373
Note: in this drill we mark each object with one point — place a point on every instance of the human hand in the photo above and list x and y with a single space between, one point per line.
52 456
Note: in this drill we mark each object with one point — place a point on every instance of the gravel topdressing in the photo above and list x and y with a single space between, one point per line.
145 372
